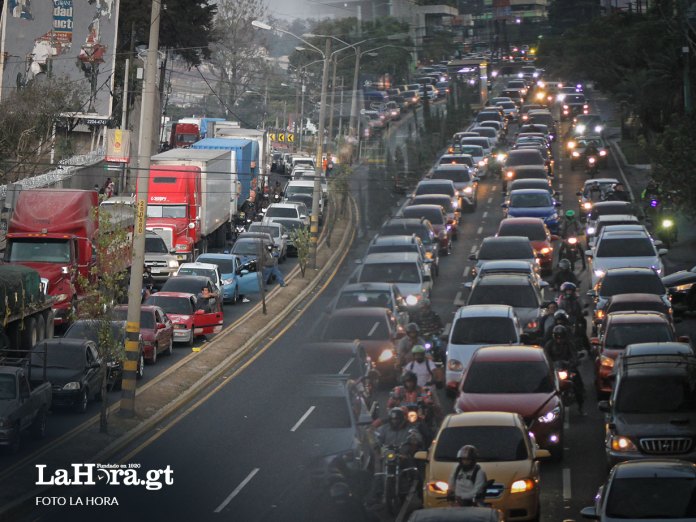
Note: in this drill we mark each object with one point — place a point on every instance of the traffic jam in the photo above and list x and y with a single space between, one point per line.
563 344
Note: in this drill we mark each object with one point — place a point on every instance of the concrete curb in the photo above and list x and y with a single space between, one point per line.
339 252
638 166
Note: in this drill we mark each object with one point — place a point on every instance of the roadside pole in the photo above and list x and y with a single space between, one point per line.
316 193
124 124
329 143
127 407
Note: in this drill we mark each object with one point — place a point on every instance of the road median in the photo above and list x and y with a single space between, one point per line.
179 385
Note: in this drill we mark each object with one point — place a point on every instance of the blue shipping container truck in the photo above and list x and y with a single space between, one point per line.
245 159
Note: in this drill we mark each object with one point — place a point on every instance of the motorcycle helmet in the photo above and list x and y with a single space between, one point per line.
419 348
570 214
469 453
339 491
412 328
568 288
559 332
396 417
408 376
564 264
560 316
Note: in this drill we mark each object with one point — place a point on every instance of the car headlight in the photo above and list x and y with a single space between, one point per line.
599 314
173 263
587 205
501 158
545 250
571 145
481 163
522 485
454 365
531 325
683 288
509 174
580 128
439 487
562 376
72 386
602 152
412 299
619 443
576 154
667 223
386 355
468 190
591 230
598 273
550 416
607 362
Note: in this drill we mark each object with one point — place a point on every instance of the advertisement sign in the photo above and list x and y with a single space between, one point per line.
117 145
73 39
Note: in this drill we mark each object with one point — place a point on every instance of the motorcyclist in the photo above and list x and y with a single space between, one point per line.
563 274
422 368
560 348
467 482
546 320
570 226
568 301
560 318
277 191
406 343
428 321
408 392
591 149
652 190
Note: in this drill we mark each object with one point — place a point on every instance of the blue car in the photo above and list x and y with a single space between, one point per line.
237 280
533 203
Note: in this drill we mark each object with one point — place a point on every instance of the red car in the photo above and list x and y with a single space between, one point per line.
516 379
539 236
438 219
156 330
189 317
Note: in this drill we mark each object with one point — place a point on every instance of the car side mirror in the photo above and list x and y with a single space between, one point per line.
472 257
588 253
662 252
503 205
421 455
198 312
589 512
603 406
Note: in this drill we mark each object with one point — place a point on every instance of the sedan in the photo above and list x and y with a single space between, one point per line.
533 203
156 330
189 318
436 215
538 234
506 452
238 279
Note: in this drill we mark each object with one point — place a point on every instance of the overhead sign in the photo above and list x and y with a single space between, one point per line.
279 136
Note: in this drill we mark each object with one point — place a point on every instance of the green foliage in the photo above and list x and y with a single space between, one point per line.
302 239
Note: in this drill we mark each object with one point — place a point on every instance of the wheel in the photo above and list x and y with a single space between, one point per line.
140 369
153 359
28 336
81 405
170 349
235 297
392 500
38 428
49 318
191 340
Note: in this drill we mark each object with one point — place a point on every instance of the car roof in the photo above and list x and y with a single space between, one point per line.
601 181
627 271
617 217
626 234
636 298
391 257
504 280
505 239
633 317
454 514
658 349
404 221
511 264
436 182
485 310
529 191
183 295
285 205
531 181
654 468
522 220
365 287
509 353
482 418
396 240
422 206
198 264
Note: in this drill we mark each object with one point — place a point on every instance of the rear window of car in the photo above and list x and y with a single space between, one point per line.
493 443
630 284
531 200
474 150
524 157
356 299
489 115
399 230
444 201
619 336
455 175
517 296
434 188
574 98
482 142
456 160
171 305
356 327
288 212
505 250
390 273
625 247
390 249
432 214
652 497
484 330
533 232
491 377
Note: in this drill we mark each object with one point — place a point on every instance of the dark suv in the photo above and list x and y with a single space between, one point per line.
652 410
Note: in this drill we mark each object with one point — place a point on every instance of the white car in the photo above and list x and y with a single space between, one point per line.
476 326
624 249
288 210
208 270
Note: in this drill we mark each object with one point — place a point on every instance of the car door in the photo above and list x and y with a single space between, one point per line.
247 279
163 334
92 372
207 321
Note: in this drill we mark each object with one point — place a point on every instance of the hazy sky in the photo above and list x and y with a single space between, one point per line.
301 9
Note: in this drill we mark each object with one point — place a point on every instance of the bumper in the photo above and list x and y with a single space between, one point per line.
614 457
183 336
161 274
148 351
228 292
549 436
66 398
207 330
520 506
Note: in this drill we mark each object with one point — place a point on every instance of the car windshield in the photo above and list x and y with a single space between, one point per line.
625 247
508 377
533 232
656 394
390 273
621 335
530 157
652 498
453 160
246 248
366 328
294 189
493 443
484 330
517 296
147 318
481 142
38 250
290 224
456 175
191 270
287 212
171 305
629 284
505 250
155 245
8 389
531 200
355 299
166 211
434 188
225 265
434 215
508 105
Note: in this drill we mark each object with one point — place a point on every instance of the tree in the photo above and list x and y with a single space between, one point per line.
301 238
105 287
185 27
673 162
239 48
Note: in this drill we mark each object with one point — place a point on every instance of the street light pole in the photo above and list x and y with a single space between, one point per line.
135 286
302 109
316 193
354 99
329 147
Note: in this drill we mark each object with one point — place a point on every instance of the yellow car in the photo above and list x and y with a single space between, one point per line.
506 453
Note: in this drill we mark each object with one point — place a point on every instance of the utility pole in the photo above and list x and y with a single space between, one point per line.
124 123
316 193
329 147
136 276
354 100
340 113
302 109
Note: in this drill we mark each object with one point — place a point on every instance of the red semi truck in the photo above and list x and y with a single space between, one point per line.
184 135
189 196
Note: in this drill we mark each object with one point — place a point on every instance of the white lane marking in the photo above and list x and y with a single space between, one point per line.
566 484
566 423
560 186
560 197
560 175
473 249
479 230
347 365
373 329
237 490
458 299
484 215
494 188
490 200
303 418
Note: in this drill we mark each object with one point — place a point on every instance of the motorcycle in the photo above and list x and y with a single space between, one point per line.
398 474
421 417
591 165
568 374
479 501
666 230
570 250
434 348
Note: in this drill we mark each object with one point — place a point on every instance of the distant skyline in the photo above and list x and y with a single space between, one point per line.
301 9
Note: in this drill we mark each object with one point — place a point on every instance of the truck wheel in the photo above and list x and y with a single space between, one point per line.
81 405
38 428
28 336
49 318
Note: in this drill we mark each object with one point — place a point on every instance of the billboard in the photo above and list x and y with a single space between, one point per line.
64 38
